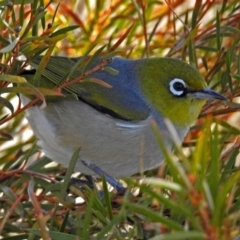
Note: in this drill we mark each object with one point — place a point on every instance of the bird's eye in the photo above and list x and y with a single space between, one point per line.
177 87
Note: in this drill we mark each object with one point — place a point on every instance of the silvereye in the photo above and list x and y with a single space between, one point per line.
112 125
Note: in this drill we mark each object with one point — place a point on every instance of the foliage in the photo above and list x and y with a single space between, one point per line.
194 198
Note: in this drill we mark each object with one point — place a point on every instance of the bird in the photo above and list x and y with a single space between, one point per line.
112 123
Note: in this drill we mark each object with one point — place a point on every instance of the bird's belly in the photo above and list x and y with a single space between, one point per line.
119 148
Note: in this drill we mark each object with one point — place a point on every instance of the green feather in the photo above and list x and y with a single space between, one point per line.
154 77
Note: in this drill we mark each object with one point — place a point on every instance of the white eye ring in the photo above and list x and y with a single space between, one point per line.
177 90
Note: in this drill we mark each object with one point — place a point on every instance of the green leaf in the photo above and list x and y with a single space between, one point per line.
180 235
12 78
93 58
7 104
111 70
107 199
10 46
54 235
153 216
69 172
64 30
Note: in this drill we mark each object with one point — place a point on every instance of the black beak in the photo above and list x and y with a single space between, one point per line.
207 93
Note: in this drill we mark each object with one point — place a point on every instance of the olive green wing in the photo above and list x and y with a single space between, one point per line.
113 98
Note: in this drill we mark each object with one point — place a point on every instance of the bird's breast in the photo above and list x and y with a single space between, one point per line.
120 148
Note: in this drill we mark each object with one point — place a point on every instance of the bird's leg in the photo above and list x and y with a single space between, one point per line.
81 183
101 173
